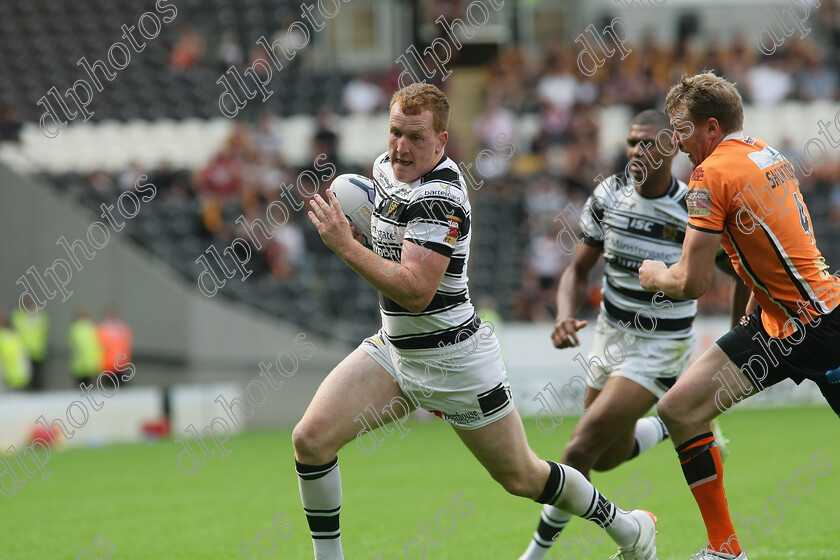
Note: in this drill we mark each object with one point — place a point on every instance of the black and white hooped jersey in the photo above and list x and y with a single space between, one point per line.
630 228
434 213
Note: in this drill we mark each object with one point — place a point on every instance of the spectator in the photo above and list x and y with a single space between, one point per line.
85 348
513 76
102 182
10 124
290 40
362 96
559 91
221 181
287 250
548 261
34 333
266 141
494 119
128 177
325 140
495 126
814 80
741 59
229 53
263 70
834 206
15 366
558 87
164 177
222 177
770 81
116 339
188 49
544 200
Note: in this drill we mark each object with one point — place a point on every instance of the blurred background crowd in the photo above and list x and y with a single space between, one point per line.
536 97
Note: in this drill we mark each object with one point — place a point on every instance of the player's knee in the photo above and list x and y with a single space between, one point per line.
515 483
606 463
602 466
577 456
667 411
310 446
586 447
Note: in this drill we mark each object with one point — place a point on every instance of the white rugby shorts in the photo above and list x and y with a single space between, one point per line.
466 383
653 363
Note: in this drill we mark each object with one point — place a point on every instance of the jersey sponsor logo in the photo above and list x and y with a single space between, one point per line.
394 188
749 140
454 228
698 174
639 224
622 262
441 192
699 201
766 157
458 417
392 254
383 234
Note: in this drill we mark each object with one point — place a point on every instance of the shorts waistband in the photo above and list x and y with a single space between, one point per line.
465 347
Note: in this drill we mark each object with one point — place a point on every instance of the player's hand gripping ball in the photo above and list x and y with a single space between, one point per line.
356 194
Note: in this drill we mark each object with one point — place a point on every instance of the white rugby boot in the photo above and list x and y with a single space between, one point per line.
645 546
707 554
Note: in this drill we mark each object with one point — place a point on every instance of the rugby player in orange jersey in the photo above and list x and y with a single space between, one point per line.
743 195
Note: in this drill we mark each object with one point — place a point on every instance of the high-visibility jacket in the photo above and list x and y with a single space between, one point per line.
34 331
85 348
14 360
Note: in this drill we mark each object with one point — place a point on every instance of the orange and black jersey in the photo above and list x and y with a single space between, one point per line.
749 192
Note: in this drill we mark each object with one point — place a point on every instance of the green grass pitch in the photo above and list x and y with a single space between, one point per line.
147 509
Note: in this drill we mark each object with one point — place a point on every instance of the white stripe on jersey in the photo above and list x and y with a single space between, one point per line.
433 212
630 228
789 267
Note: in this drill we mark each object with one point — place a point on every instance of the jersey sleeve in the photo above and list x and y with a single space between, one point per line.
592 218
706 201
436 221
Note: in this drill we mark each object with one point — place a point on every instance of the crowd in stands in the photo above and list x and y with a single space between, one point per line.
564 159
554 170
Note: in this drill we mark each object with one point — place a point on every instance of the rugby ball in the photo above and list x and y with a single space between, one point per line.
356 195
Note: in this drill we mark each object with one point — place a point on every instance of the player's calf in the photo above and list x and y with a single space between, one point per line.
615 455
592 438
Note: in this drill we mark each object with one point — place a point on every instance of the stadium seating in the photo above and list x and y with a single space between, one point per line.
152 114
